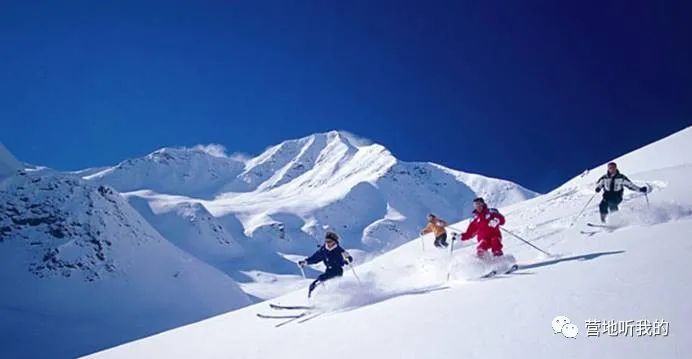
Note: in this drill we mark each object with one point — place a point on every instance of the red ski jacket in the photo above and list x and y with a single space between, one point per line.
480 225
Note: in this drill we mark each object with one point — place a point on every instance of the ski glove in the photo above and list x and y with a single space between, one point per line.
598 189
493 222
644 189
347 257
302 263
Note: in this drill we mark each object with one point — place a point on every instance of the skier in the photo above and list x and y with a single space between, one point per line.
485 225
612 184
437 227
333 256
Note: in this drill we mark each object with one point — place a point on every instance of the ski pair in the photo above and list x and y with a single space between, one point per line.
308 314
493 272
599 229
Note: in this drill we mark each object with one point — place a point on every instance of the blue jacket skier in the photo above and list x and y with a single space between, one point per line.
333 256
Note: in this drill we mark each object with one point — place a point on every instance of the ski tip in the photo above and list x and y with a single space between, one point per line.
491 274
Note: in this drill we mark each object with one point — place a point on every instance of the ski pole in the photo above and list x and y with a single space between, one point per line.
354 273
582 210
527 242
451 257
301 270
646 195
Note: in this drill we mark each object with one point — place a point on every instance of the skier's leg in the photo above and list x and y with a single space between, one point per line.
313 285
496 246
443 239
437 242
329 274
320 279
603 209
483 246
613 204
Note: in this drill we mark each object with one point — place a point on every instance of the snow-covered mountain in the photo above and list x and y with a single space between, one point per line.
288 195
635 273
197 233
248 216
81 270
185 171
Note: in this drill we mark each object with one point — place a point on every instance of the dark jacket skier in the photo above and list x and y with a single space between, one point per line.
334 258
613 184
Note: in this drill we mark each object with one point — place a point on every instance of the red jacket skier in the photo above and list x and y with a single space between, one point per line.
485 225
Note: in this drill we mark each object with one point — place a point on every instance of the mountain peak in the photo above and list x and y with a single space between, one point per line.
211 149
343 136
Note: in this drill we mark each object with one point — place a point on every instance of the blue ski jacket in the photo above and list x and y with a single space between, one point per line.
332 259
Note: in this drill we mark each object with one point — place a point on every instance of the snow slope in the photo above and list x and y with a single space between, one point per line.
81 270
404 307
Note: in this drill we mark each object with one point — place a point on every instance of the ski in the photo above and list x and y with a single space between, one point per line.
305 314
270 316
589 233
289 307
512 269
490 274
310 317
606 226
495 272
288 318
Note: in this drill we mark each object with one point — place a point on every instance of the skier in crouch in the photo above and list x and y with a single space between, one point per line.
485 224
612 184
437 227
333 256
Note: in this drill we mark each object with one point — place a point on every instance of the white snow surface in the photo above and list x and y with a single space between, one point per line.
404 307
81 270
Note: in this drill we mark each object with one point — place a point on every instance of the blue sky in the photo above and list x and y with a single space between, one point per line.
533 92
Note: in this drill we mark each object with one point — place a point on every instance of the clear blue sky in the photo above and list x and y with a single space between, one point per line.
530 91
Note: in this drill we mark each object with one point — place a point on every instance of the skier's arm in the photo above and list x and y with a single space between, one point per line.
346 256
427 229
470 230
315 257
499 216
627 183
599 184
